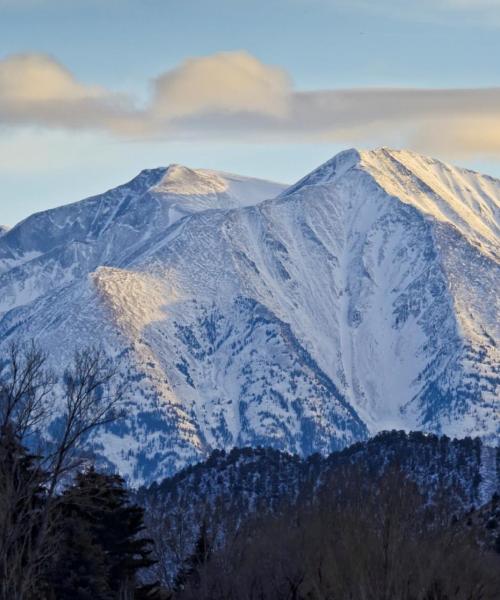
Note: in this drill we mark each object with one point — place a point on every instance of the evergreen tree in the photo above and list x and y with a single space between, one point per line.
103 549
21 500
81 572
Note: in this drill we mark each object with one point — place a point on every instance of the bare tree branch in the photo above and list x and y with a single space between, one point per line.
86 398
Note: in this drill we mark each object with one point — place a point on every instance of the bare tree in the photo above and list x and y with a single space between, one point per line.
85 399
366 538
171 533
91 398
25 385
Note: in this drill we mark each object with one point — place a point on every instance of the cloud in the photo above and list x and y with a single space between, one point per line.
426 116
227 82
36 89
234 97
32 78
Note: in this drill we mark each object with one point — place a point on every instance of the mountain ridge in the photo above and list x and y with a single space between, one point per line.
127 207
415 166
304 322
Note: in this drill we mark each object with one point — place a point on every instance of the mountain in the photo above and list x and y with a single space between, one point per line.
60 246
361 298
232 488
3 229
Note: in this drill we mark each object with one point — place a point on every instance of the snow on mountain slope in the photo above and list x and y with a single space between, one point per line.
417 262
362 298
3 229
65 243
464 199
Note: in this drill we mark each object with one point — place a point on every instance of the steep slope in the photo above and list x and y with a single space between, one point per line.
421 270
362 298
64 244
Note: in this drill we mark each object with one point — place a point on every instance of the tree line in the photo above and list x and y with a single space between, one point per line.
68 531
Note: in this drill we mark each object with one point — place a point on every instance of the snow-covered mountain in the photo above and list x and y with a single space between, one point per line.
362 298
62 245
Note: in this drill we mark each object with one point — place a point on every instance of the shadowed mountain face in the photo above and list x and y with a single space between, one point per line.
361 298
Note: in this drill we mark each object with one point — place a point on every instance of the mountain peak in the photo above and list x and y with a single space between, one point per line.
328 171
184 181
179 180
352 158
464 199
342 162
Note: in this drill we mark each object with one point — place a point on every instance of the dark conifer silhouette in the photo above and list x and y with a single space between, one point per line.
102 536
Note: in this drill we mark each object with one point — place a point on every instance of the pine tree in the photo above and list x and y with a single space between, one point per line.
103 541
81 572
21 500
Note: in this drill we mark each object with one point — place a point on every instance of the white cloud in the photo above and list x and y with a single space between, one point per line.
36 89
235 97
34 78
227 82
454 121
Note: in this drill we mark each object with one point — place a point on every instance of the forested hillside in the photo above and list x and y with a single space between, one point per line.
224 494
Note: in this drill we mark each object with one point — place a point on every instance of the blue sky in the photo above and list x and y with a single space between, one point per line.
91 91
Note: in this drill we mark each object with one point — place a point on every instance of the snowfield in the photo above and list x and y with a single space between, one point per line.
362 298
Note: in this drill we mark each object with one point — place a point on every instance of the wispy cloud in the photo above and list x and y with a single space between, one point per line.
235 97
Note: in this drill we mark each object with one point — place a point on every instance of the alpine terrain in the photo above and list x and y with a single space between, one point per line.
360 299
